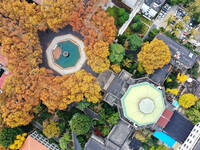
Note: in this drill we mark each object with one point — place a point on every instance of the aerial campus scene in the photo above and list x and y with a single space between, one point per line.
99 74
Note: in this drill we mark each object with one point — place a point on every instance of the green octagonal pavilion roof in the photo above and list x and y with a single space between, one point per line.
143 103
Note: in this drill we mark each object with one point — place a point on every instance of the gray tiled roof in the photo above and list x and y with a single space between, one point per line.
116 87
160 75
150 3
92 144
120 133
187 57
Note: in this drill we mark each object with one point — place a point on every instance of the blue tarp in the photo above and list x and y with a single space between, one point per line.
164 138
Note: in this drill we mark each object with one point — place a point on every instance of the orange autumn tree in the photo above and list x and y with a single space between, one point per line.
27 15
58 13
30 85
104 24
21 94
69 88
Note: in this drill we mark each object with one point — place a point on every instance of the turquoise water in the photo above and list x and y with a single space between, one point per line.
73 57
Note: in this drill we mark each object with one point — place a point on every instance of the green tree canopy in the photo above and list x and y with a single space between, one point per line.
117 52
152 34
136 18
122 19
136 26
64 141
8 135
134 42
80 124
193 113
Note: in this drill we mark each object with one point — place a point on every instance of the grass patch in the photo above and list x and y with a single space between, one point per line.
144 29
145 20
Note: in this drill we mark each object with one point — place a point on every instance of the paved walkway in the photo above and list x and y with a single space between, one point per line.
137 8
77 145
91 113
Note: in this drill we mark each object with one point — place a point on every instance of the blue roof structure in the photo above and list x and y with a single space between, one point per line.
175 103
164 138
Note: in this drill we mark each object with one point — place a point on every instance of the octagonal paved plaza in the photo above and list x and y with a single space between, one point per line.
65 54
143 103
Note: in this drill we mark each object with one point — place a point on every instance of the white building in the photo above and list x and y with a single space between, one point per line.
151 7
193 140
130 3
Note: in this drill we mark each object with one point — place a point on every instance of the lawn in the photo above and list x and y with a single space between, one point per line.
145 20
144 29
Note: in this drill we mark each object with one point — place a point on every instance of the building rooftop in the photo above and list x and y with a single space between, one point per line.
165 118
178 127
197 146
193 87
160 75
32 144
164 138
93 144
143 103
120 133
155 4
179 52
130 3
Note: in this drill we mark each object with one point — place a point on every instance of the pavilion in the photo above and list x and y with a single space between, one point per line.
143 104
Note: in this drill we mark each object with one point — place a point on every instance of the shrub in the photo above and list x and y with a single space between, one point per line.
80 124
64 141
8 135
51 130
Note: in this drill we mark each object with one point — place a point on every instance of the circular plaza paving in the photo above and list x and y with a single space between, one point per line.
65 54
143 104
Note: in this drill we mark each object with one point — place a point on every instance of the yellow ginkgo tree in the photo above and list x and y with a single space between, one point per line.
187 100
172 91
181 78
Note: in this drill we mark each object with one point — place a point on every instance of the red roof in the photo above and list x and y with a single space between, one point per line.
167 114
32 144
165 118
162 122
